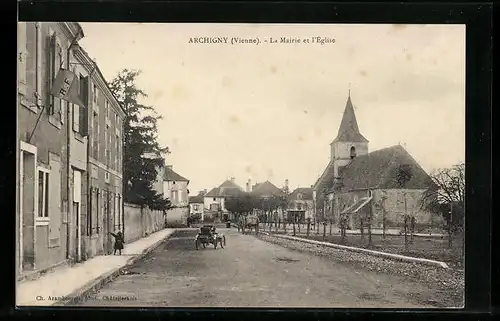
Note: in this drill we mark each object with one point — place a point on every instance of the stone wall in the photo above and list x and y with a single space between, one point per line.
140 222
177 216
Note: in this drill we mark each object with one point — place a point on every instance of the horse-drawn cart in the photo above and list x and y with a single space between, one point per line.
207 236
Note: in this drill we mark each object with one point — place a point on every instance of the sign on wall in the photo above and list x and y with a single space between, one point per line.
65 87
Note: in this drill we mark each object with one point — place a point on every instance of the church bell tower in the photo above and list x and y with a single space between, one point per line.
349 142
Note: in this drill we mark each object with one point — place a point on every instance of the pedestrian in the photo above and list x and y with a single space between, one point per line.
118 242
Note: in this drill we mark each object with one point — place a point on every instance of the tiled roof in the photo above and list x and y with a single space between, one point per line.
349 130
196 199
266 189
227 188
307 193
170 175
326 178
379 169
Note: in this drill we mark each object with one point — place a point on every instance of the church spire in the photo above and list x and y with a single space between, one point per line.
348 130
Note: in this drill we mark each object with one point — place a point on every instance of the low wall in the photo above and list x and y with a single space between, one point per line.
141 222
177 216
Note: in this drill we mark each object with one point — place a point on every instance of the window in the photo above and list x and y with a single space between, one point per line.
106 177
43 194
117 152
96 94
55 62
353 152
95 145
175 196
214 199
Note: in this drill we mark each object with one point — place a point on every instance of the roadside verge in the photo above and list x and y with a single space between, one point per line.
395 257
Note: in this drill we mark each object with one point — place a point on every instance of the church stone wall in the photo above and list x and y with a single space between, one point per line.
394 205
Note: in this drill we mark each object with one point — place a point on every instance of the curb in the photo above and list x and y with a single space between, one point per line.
99 282
386 255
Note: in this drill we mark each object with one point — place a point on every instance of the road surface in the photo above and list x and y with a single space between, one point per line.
250 272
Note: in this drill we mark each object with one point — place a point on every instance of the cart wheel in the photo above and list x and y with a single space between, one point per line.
220 241
215 244
204 245
197 244
224 239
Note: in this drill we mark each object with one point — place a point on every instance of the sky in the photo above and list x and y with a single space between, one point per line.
268 111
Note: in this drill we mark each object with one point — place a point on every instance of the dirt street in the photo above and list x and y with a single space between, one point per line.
249 272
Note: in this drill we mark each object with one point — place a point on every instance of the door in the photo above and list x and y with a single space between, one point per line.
27 196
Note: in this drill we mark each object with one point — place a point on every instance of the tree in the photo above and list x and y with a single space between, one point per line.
403 175
140 137
446 197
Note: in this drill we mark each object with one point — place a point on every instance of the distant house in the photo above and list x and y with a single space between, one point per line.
175 187
301 203
266 190
196 206
357 182
214 200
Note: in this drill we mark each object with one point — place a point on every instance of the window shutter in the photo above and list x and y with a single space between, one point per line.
51 47
84 95
21 59
60 63
76 110
76 118
84 122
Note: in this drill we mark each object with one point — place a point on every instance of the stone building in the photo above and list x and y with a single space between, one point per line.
55 161
385 183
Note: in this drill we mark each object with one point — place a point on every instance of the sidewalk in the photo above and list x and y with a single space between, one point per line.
66 282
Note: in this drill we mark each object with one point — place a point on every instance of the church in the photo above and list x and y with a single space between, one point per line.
385 183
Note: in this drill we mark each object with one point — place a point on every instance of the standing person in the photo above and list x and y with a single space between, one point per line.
118 242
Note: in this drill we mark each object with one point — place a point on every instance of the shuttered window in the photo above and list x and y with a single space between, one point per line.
76 109
22 55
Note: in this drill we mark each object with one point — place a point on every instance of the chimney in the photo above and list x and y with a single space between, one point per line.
249 185
169 166
232 179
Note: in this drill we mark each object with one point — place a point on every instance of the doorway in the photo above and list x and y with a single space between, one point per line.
28 199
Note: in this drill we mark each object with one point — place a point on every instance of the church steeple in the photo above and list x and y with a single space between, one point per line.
349 142
349 130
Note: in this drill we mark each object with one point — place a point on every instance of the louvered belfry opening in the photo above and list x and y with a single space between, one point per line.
353 152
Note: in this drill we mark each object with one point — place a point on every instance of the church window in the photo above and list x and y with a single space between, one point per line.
353 152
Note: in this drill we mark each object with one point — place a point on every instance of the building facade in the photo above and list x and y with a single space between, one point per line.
65 155
196 206
214 200
301 204
175 187
45 217
104 122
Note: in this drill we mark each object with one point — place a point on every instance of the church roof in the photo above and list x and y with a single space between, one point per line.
380 169
349 130
266 189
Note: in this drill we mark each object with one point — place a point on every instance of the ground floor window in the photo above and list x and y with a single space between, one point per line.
43 194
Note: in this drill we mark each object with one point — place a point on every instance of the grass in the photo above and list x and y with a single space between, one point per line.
433 248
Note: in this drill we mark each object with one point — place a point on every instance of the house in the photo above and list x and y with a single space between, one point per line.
196 206
215 198
357 182
175 187
104 196
63 155
301 203
263 191
44 209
